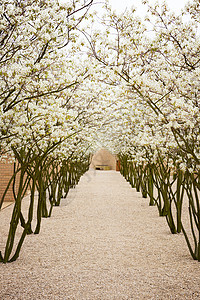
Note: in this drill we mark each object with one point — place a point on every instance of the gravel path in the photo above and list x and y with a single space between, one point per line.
103 242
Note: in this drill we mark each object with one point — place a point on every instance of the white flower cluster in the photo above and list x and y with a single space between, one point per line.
157 109
131 91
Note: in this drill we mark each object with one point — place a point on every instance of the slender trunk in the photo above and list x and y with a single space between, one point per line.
14 219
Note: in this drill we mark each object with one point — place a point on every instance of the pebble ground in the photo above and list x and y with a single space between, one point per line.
103 242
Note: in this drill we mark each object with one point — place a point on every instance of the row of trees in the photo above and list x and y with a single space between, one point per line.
132 83
155 64
48 107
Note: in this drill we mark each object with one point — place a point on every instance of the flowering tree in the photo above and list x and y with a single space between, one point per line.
156 66
38 79
133 85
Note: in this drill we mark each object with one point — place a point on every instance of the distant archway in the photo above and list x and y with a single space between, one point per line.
103 159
